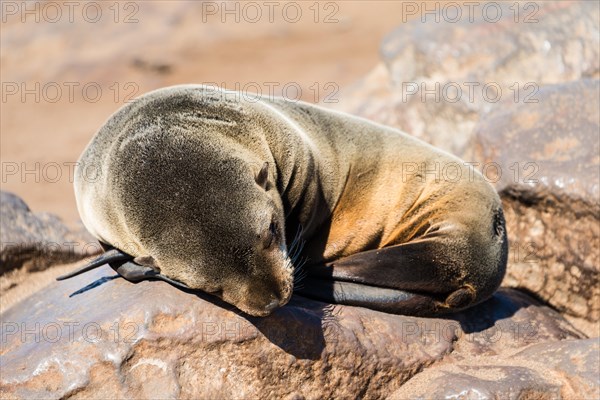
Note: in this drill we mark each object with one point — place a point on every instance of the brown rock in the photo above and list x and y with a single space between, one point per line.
117 339
553 370
438 77
36 241
548 158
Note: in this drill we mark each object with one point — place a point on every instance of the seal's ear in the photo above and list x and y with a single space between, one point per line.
263 176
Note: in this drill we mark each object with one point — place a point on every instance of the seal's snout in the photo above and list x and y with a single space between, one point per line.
278 298
260 297
275 296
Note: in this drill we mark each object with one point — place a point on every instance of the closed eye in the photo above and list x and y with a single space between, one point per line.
272 234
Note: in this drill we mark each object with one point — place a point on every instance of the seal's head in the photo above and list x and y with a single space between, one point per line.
235 244
196 189
254 272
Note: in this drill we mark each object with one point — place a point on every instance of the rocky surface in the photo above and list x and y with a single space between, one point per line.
439 75
118 339
538 372
34 241
546 166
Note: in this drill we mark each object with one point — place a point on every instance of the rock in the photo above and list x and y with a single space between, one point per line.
546 167
36 241
553 370
439 76
113 339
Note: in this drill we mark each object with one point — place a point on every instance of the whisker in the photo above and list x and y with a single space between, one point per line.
294 250
296 260
293 245
299 276
301 247
299 273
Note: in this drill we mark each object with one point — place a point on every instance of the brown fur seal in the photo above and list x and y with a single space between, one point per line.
206 189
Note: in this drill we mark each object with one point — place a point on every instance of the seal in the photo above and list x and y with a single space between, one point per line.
211 190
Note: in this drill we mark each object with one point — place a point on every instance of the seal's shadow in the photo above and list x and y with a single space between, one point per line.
94 284
299 328
504 304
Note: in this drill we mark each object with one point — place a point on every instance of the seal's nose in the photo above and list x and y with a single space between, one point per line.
272 305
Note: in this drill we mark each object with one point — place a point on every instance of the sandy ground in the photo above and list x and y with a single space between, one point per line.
63 75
